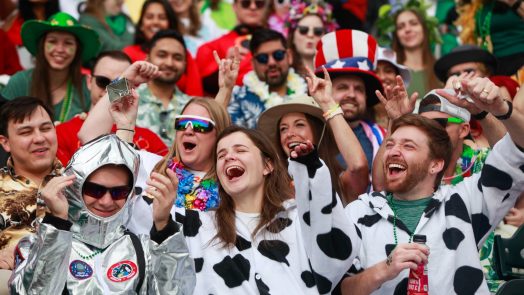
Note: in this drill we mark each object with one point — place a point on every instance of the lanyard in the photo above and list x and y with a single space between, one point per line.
66 104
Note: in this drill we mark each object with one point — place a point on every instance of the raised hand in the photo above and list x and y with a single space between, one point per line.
124 111
397 101
53 195
164 191
302 149
477 92
406 256
141 72
228 69
321 89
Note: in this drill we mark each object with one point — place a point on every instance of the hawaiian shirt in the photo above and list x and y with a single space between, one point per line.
153 115
250 100
18 208
470 162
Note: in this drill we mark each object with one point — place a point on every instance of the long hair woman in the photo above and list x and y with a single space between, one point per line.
60 45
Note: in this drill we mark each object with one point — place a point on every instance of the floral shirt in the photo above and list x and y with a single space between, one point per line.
250 100
18 208
153 115
470 162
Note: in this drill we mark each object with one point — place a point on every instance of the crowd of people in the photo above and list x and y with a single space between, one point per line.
257 146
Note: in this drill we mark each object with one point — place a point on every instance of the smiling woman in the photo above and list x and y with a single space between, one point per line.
60 45
274 237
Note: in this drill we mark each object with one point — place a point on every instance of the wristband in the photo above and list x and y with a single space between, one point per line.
479 116
125 129
508 114
332 112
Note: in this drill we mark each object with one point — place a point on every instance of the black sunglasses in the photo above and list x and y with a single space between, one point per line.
304 30
102 81
97 191
278 55
247 3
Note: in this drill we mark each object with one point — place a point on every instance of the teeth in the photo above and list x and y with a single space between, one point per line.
233 170
293 145
398 166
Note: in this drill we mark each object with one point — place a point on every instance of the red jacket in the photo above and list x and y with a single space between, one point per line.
68 142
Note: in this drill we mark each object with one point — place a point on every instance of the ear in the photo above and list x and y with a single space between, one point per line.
269 167
4 141
464 130
436 166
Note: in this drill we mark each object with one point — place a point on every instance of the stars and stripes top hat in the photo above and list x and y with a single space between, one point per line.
350 52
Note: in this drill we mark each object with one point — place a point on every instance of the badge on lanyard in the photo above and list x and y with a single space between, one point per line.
80 270
122 271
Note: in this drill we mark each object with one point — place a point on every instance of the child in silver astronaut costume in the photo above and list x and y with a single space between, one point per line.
89 254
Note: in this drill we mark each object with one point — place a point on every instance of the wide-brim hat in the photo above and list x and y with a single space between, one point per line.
463 54
388 55
270 118
352 52
33 30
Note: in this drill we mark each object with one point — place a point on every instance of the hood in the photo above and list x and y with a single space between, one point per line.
88 227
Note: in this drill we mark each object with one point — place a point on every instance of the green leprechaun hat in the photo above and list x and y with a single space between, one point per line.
33 30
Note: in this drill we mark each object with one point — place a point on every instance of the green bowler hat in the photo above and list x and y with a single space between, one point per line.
33 30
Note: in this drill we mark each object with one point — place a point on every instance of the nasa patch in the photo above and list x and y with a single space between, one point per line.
122 271
80 270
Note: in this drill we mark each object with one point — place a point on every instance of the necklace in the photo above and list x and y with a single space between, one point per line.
194 192
88 257
391 204
66 104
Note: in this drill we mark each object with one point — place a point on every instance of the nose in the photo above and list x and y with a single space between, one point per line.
106 200
39 137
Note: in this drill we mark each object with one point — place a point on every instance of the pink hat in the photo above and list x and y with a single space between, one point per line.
350 52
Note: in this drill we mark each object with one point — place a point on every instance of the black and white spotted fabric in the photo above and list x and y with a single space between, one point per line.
456 222
308 254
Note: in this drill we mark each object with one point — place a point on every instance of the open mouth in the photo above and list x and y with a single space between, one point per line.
188 146
233 172
293 144
395 169
40 151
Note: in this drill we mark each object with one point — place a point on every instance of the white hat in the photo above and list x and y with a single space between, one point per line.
388 55
444 107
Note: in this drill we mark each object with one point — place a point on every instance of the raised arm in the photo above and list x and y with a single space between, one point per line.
99 120
355 179
227 76
330 238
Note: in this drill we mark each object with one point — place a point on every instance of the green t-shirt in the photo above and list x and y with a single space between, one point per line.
20 85
419 83
409 212
115 40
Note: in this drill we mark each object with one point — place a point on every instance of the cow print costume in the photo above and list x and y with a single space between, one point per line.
456 222
312 249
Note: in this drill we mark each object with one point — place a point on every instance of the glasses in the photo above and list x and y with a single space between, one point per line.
467 71
263 58
304 30
198 124
102 81
444 121
247 3
97 191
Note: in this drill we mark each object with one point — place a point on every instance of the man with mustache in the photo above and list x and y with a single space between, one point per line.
455 219
272 81
160 99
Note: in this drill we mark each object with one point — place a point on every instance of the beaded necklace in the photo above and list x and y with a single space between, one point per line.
389 199
97 251
66 105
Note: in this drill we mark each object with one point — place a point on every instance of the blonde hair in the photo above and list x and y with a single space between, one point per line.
217 113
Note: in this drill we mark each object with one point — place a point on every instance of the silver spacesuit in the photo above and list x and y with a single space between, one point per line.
96 255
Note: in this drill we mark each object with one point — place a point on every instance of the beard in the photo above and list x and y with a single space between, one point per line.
415 173
170 79
277 81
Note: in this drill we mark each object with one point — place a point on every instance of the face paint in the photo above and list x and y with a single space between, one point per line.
49 47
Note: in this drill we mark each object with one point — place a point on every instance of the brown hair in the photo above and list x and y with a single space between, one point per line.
326 147
277 189
96 9
40 79
195 24
217 113
428 59
438 140
18 109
